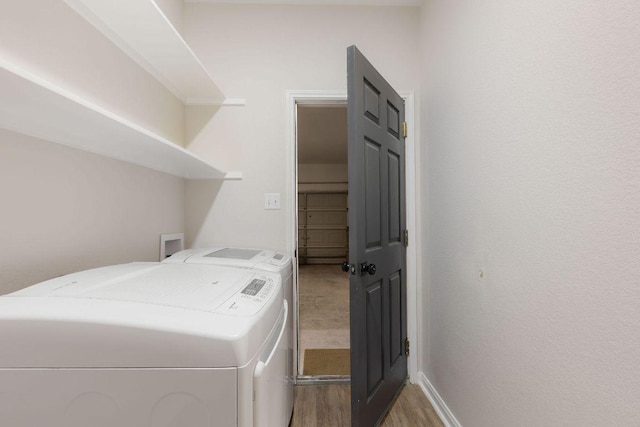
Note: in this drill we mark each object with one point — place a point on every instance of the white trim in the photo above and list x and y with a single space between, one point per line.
441 408
412 260
233 176
294 97
229 102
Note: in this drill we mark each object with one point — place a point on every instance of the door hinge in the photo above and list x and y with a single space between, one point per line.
405 130
407 347
406 238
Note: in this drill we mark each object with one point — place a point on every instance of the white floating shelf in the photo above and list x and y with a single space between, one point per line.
33 106
204 102
140 29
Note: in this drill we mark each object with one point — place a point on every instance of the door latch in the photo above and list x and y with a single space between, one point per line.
349 268
367 268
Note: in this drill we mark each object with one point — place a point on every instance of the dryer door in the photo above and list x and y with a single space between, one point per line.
270 382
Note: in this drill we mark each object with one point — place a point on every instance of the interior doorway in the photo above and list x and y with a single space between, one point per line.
322 239
296 98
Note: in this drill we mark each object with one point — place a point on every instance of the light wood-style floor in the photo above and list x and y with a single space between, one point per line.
330 406
324 323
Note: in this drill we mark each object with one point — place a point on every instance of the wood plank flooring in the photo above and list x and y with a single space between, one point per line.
330 406
324 323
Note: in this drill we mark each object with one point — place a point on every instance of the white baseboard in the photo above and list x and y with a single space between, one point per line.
438 404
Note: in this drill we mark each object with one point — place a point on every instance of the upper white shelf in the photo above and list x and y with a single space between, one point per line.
142 30
33 106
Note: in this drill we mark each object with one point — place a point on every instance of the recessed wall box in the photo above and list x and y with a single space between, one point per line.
170 244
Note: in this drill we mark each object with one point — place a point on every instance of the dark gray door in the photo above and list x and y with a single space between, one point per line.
377 254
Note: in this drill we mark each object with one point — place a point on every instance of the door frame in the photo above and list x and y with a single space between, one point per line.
295 97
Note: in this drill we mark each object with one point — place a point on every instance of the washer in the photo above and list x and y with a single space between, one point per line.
257 259
264 260
146 344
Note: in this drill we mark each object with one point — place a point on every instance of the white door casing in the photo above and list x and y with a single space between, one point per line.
295 97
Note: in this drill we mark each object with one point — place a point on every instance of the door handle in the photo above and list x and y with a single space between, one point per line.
349 268
367 268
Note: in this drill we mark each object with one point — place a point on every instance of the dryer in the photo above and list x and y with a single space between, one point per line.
259 260
146 344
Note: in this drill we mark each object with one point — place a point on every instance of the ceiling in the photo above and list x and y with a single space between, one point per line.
318 2
322 134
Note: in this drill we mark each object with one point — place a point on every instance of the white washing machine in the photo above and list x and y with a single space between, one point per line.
263 259
146 344
258 260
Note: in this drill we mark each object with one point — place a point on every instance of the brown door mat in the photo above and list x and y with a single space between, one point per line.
327 361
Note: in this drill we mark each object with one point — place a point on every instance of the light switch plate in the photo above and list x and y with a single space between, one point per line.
272 200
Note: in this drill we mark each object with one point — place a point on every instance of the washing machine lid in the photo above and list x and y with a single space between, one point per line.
267 260
141 315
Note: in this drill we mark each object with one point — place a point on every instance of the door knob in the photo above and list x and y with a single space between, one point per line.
349 268
367 268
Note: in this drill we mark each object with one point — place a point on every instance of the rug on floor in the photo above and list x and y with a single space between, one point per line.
327 361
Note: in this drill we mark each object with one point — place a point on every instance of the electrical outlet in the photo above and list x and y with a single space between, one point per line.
272 200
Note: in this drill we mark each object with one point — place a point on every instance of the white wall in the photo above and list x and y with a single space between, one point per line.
62 209
49 39
65 210
258 53
531 116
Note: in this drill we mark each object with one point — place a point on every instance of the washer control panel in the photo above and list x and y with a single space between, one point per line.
251 298
254 287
